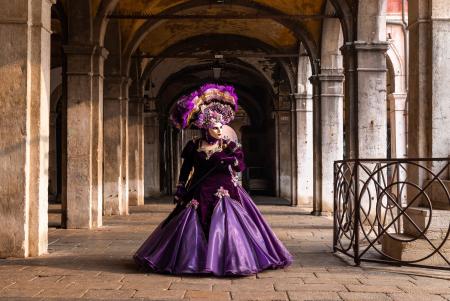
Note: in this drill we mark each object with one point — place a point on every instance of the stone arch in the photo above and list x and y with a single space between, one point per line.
101 20
153 65
397 103
256 105
343 9
238 68
398 68
390 75
140 34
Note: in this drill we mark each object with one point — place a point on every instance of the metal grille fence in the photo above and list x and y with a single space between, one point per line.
393 211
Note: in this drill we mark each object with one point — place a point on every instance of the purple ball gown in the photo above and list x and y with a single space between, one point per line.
218 229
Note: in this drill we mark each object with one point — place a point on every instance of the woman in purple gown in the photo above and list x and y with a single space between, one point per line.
215 227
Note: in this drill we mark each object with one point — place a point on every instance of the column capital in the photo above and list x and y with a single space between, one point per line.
364 46
399 101
127 81
101 51
300 96
323 77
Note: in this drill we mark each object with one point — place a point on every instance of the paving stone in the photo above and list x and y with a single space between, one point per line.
373 288
96 284
431 281
147 284
430 289
68 292
108 294
310 287
385 281
5 283
351 296
250 296
190 286
160 294
331 280
342 275
20 292
99 262
212 280
311 296
416 297
258 285
284 274
207 295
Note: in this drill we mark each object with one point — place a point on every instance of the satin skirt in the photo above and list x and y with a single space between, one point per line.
239 242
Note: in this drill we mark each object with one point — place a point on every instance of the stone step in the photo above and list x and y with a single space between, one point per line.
438 195
395 246
439 224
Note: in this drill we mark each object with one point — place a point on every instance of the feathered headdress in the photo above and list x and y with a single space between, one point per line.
210 104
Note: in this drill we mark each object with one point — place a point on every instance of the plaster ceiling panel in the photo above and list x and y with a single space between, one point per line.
128 27
304 7
174 31
300 7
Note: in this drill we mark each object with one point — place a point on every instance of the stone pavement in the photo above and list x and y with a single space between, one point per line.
97 264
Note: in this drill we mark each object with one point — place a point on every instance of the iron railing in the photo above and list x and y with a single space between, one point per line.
393 211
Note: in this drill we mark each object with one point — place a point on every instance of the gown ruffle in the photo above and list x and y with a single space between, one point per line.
240 242
220 231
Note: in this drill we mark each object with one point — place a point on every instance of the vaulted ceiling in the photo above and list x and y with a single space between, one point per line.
209 27
167 32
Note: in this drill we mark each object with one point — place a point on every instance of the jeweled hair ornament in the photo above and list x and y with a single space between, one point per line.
210 104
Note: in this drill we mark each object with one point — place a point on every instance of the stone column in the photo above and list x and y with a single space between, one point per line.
52 156
133 151
24 127
304 134
317 151
152 152
283 132
124 141
370 50
331 131
372 109
397 104
112 150
100 54
350 92
84 137
140 163
429 97
366 104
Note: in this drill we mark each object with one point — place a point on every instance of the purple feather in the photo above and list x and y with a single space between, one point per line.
202 109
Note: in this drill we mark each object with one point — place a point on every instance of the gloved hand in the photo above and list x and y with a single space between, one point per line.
179 194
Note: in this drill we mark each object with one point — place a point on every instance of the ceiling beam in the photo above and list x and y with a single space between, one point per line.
149 16
221 56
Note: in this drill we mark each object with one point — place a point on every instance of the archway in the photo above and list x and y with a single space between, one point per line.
256 101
